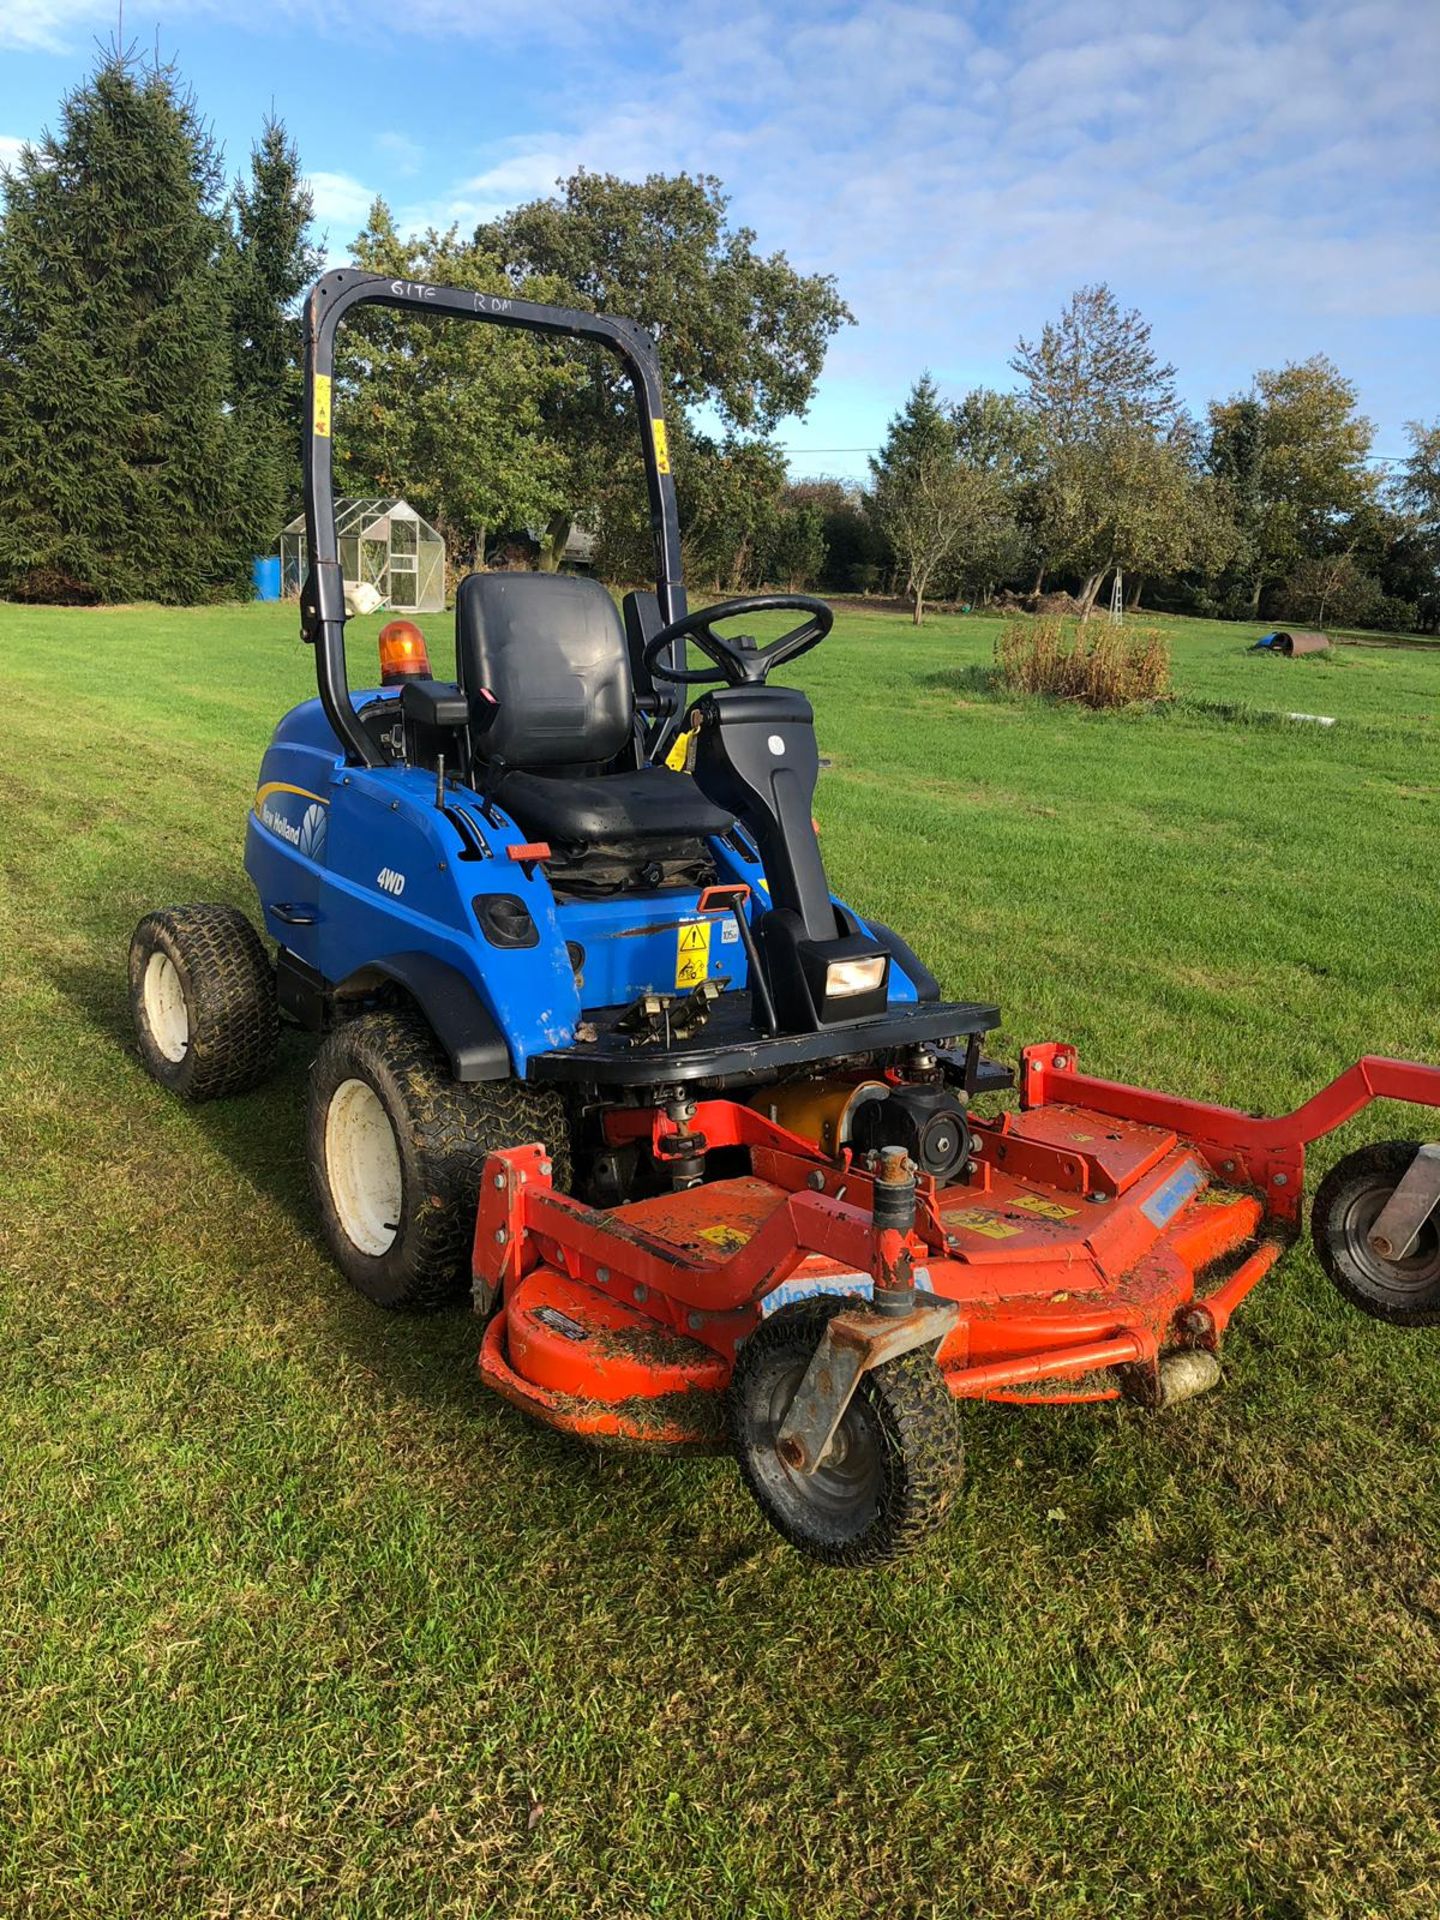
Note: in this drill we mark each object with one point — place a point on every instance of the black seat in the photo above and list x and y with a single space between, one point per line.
551 649
649 804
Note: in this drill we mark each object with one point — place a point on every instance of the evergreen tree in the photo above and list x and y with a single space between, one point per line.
125 471
274 263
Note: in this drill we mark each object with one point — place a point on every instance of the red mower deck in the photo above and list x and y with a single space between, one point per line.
1101 1232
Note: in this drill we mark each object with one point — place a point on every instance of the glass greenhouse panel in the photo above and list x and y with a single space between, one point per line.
384 544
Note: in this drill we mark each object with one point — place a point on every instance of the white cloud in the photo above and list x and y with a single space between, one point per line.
342 208
10 145
341 200
404 155
43 26
1257 175
59 26
527 171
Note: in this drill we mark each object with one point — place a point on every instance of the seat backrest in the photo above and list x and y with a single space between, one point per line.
551 648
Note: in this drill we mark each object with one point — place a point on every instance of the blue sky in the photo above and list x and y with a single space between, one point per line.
1262 180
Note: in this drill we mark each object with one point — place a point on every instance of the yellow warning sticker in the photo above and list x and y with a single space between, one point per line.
980 1220
692 953
662 445
322 405
1047 1209
728 1239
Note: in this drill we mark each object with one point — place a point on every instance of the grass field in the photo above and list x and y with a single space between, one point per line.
294 1620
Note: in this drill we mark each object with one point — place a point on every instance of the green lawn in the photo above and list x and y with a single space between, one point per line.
295 1620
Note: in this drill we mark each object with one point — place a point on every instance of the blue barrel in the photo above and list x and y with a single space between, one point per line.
265 575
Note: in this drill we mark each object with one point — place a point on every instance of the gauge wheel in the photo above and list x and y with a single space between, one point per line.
396 1148
1350 1199
893 1468
202 995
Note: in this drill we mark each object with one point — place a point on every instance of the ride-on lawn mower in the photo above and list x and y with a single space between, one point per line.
600 1039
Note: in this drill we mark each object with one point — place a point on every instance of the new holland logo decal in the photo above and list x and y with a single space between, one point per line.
304 830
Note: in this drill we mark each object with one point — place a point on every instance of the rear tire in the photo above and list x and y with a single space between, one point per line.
396 1148
202 994
893 1469
1349 1200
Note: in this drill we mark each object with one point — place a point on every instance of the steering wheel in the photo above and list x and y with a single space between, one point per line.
736 665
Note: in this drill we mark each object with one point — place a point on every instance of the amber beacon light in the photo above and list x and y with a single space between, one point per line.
402 653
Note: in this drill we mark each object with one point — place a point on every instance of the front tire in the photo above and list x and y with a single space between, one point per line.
202 995
892 1470
1348 1202
396 1148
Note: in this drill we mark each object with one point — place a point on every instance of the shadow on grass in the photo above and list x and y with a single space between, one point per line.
977 681
539 1475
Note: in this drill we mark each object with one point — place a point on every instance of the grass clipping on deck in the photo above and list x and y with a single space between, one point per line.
1100 667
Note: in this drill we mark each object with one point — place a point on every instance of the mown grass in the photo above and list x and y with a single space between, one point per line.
294 1620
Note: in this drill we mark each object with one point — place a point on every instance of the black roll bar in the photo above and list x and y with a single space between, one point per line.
322 599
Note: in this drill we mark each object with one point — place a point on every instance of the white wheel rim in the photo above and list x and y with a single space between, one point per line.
166 1014
362 1164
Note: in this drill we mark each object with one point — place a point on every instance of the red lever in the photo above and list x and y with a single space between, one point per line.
722 899
530 850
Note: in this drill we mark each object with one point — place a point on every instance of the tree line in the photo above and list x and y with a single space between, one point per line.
1091 468
149 383
150 416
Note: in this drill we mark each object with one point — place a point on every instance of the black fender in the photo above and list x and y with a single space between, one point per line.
926 986
462 1023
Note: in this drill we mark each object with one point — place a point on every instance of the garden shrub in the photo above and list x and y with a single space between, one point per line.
1103 666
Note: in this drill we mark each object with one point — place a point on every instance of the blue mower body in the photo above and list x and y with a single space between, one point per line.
361 876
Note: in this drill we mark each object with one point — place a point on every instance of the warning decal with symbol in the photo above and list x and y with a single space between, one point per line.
692 952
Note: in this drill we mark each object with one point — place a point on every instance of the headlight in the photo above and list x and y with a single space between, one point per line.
843 978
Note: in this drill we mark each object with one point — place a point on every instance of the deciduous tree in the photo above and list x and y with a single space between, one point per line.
921 493
1113 478
740 333
1295 450
1419 499
455 415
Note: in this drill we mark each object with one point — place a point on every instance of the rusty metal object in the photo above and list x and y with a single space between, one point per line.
653 1019
852 1344
1290 644
1398 1224
892 1258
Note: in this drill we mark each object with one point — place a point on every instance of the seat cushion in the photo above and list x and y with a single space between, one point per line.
655 803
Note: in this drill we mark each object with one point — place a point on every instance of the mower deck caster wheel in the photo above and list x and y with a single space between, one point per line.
1349 1201
396 1148
892 1470
202 995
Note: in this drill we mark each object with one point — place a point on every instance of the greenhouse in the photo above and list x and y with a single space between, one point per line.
384 544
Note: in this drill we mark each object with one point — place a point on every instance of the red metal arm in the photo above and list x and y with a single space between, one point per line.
1268 1153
